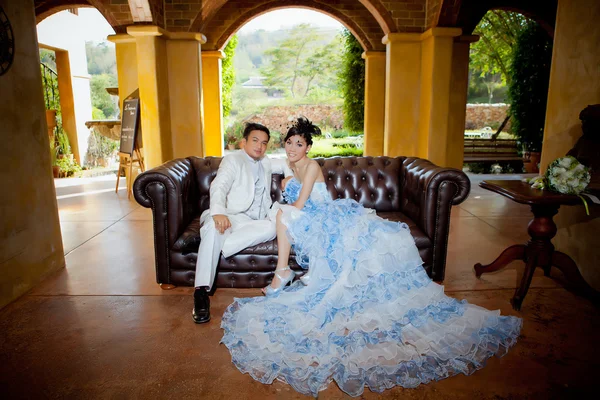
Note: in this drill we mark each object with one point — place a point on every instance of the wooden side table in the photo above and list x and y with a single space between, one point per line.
539 250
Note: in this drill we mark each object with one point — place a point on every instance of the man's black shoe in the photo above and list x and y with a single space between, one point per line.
201 312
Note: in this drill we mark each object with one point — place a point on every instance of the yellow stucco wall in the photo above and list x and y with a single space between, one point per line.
574 84
374 102
402 80
67 102
459 83
30 240
212 103
127 72
185 88
155 117
436 72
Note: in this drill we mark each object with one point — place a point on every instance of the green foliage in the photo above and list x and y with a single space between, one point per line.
301 61
100 97
528 88
53 155
490 56
333 147
498 31
48 57
63 147
101 58
68 166
228 75
97 113
352 78
51 94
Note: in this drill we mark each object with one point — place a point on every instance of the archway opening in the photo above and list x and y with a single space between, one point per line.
509 74
280 71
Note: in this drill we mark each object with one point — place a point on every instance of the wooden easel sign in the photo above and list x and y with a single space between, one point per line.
129 149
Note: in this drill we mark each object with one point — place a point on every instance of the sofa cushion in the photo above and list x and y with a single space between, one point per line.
189 240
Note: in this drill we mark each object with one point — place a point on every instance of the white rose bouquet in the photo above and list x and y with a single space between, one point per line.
564 175
567 175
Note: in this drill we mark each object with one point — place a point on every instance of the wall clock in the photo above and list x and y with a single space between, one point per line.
7 43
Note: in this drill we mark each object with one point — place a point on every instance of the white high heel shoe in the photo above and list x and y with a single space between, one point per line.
269 290
305 279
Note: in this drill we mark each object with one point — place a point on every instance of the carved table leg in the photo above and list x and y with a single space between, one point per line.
568 267
521 291
516 252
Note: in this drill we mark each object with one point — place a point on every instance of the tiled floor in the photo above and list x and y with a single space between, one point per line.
102 328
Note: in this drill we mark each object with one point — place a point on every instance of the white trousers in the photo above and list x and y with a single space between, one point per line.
244 232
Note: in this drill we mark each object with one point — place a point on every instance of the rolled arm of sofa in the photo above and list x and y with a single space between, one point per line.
170 191
428 196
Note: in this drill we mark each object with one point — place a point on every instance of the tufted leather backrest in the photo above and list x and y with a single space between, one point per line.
374 182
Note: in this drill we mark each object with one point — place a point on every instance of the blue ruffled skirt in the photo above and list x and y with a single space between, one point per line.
370 315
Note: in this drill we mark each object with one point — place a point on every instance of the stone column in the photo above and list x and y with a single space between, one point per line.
127 69
402 76
459 83
185 93
374 102
212 103
436 72
153 79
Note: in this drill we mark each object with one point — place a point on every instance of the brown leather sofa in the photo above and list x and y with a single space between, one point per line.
410 190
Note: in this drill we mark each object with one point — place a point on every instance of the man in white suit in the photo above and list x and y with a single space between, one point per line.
240 199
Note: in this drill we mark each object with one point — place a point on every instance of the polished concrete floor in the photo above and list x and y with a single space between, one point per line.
102 328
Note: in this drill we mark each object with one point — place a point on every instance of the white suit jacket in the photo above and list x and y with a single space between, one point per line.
232 190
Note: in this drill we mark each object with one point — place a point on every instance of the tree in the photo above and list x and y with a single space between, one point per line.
498 31
100 97
101 58
528 88
352 78
286 62
228 72
322 65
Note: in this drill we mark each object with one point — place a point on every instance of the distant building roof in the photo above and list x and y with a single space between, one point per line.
255 82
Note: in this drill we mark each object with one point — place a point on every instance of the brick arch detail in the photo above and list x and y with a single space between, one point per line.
220 43
44 9
381 14
466 14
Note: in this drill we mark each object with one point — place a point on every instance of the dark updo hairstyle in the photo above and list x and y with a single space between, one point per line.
303 127
253 126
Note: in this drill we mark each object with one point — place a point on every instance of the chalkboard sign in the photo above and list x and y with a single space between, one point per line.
129 125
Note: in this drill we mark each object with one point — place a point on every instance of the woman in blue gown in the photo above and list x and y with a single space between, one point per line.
366 313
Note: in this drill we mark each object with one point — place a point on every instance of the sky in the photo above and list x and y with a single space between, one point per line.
99 29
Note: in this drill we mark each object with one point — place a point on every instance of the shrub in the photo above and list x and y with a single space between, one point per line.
528 89
470 125
352 77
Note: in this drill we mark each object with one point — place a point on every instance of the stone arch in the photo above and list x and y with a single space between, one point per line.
219 26
466 14
48 8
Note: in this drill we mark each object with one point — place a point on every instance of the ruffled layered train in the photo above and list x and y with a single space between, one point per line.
370 315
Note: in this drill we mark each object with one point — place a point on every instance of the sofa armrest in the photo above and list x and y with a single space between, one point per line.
428 194
170 191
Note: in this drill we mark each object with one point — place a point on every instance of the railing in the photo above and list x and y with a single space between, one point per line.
49 76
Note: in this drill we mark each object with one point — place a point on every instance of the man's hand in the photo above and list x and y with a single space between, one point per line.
284 182
221 223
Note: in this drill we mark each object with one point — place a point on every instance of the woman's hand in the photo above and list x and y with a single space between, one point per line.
222 223
284 182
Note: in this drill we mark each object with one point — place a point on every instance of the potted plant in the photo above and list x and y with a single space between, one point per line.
62 143
53 160
231 140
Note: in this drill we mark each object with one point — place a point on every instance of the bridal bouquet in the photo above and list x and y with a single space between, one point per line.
564 175
567 175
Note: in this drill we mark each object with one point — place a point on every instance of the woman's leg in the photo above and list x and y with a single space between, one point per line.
284 248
